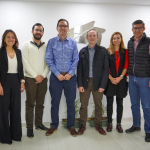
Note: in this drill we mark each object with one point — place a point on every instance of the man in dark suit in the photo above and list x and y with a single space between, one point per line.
92 76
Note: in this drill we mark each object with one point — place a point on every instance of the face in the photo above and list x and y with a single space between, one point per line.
10 39
37 32
116 40
138 30
62 28
92 37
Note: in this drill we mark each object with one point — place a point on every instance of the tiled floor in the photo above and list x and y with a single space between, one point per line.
91 140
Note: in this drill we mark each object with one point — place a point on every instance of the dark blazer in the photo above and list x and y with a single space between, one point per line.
119 90
100 68
4 64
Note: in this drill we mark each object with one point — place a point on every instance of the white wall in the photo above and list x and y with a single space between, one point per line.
20 16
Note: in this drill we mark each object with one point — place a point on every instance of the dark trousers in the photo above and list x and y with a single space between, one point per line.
119 102
56 88
35 94
84 99
10 110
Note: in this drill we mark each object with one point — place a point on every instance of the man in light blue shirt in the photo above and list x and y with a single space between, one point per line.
62 59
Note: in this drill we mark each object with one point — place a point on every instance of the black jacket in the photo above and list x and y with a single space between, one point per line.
119 90
4 64
139 60
100 68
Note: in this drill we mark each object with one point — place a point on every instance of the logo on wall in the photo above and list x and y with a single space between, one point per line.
79 33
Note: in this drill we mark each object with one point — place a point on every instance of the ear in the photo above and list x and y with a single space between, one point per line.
144 29
32 32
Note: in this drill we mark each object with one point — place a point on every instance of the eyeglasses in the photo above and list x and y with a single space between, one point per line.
62 26
137 28
38 30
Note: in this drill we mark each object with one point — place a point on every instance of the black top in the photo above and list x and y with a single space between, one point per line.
4 64
100 68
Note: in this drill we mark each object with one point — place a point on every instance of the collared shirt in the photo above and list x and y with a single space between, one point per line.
37 44
91 56
62 56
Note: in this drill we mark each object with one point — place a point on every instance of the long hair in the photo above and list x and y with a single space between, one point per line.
111 49
3 44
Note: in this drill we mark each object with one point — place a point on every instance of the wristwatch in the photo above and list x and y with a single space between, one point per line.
23 81
121 76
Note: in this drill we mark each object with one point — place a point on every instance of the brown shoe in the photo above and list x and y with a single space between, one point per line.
100 130
119 128
72 131
109 127
81 130
51 131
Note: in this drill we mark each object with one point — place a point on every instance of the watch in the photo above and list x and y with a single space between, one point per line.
23 81
121 76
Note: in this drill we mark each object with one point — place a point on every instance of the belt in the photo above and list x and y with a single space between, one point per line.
64 73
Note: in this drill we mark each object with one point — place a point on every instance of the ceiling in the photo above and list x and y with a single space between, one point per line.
133 2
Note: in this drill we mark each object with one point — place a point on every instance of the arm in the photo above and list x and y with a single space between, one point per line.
45 72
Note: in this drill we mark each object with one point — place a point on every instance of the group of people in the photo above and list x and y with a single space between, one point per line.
99 70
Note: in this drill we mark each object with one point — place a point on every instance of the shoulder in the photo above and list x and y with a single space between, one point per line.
52 40
83 50
101 49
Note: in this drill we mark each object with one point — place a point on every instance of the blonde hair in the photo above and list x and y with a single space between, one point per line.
111 49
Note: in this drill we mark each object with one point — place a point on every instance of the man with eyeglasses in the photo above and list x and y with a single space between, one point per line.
139 76
62 60
36 70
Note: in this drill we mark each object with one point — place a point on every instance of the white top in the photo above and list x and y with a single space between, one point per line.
34 61
12 64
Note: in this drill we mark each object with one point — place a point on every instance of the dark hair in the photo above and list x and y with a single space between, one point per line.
138 22
37 24
62 20
3 44
91 30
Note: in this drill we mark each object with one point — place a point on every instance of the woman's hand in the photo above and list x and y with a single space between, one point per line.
22 87
1 90
118 79
113 80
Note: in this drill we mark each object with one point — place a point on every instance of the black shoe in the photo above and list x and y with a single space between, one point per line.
7 142
147 137
132 129
30 133
41 127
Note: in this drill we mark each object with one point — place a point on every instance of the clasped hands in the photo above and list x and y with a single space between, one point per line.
66 77
81 89
39 79
115 80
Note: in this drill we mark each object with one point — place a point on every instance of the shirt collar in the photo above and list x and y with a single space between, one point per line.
139 39
58 38
93 48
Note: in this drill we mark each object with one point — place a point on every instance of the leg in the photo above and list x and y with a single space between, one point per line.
135 101
109 108
31 90
144 91
119 109
40 97
55 88
84 99
15 110
70 94
97 96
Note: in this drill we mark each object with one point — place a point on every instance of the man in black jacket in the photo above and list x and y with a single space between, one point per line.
92 76
139 76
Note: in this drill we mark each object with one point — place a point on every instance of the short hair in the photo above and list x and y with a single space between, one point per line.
138 22
62 20
3 44
37 24
91 30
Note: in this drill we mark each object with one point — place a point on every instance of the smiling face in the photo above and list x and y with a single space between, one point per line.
37 32
10 39
116 40
62 28
92 37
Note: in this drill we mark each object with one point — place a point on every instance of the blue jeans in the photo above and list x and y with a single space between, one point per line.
56 88
139 89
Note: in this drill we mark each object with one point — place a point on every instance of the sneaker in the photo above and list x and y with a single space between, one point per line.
109 127
132 129
72 131
119 128
41 127
147 137
100 130
51 131
30 133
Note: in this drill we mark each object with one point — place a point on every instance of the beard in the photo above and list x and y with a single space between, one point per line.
37 38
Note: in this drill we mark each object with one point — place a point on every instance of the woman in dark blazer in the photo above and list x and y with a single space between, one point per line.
117 84
11 86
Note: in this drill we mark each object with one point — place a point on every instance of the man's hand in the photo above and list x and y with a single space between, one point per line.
67 77
118 79
113 80
101 90
81 89
42 77
38 79
1 90
61 77
22 87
